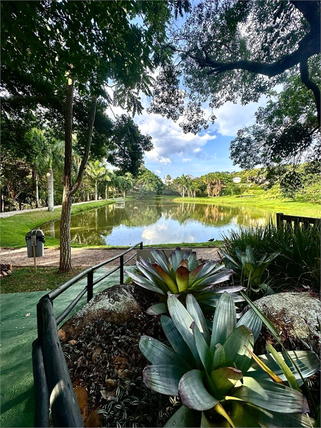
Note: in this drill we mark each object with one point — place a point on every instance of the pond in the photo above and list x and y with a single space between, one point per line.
157 222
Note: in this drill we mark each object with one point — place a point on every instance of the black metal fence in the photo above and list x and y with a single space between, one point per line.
53 387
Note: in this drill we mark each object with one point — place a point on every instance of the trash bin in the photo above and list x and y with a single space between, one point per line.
35 238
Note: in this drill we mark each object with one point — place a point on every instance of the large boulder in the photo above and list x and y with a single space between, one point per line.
296 316
115 305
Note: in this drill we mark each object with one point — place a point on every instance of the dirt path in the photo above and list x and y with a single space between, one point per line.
85 257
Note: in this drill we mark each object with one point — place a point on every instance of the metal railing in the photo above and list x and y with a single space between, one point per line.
53 388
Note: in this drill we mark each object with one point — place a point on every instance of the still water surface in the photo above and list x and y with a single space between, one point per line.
157 222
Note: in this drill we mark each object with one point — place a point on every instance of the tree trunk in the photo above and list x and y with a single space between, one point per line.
50 190
96 190
69 189
65 240
37 190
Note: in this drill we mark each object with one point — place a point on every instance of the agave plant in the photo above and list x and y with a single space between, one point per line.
251 272
219 380
181 274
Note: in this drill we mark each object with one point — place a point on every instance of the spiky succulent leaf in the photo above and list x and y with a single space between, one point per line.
284 367
250 416
203 349
224 378
221 411
161 259
265 368
196 313
224 321
183 322
172 287
212 280
175 258
175 339
194 273
252 321
307 362
149 271
219 359
184 417
144 282
236 348
158 353
264 319
157 309
163 378
271 396
182 274
208 268
192 262
193 392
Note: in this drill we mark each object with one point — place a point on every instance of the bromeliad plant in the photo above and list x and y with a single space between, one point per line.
252 273
181 274
219 380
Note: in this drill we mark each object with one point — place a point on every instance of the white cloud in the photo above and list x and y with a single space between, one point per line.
168 138
232 117
187 160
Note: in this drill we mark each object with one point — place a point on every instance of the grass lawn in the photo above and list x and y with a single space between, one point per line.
14 229
285 206
26 279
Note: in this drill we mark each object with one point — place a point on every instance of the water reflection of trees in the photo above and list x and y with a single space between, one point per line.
92 227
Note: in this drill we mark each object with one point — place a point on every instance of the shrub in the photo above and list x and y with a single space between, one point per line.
298 264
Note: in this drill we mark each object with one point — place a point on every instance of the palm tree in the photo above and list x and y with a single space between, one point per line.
96 171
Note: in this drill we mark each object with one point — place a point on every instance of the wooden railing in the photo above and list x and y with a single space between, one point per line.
53 387
296 221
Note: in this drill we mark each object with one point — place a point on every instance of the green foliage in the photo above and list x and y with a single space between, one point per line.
181 274
218 378
128 146
298 264
251 273
230 51
286 130
148 183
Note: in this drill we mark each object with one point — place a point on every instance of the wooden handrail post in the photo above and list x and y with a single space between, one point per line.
279 220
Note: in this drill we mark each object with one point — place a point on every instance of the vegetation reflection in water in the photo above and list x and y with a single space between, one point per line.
157 222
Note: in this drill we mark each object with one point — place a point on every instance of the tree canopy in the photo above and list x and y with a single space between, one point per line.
236 50
128 145
286 130
67 56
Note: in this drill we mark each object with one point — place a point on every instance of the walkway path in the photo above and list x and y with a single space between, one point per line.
18 331
85 257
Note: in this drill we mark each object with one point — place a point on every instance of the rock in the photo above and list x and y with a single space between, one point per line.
115 305
295 315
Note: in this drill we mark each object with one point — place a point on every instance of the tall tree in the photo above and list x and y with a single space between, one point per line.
236 50
129 145
56 52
